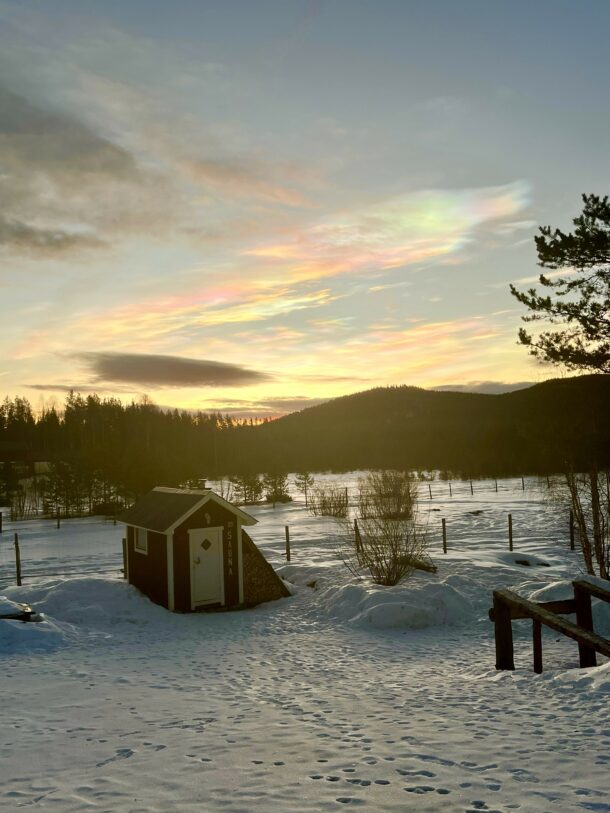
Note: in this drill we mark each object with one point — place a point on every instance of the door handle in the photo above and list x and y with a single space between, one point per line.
197 561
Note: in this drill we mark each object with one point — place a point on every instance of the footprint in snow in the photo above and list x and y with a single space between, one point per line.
122 753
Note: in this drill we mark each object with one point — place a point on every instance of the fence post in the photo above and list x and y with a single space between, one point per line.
450 492
346 499
505 657
430 490
471 488
496 486
58 517
444 535
358 539
17 560
522 484
537 643
584 619
572 546
510 531
0 522
287 543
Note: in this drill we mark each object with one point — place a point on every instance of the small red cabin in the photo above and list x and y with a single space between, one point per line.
187 550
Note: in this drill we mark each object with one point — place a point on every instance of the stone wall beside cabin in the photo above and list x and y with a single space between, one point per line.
261 582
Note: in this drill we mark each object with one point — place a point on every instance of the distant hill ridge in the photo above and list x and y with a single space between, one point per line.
542 428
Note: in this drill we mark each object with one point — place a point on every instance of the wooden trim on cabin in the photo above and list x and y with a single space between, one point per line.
170 572
240 562
221 503
136 539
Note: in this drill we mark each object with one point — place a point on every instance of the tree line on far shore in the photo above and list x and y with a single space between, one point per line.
100 450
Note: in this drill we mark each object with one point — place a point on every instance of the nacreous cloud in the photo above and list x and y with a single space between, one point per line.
410 229
167 371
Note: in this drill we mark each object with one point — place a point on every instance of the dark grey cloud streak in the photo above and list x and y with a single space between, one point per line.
486 387
21 235
167 371
64 187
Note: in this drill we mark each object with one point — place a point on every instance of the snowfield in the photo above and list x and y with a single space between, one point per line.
343 695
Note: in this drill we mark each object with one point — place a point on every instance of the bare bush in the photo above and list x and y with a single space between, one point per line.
328 501
390 494
225 489
589 498
384 540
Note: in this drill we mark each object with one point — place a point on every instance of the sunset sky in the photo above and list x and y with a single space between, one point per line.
254 206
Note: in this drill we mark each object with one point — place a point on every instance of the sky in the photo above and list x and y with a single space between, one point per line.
253 206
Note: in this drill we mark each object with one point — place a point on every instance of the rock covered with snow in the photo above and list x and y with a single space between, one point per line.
19 636
8 607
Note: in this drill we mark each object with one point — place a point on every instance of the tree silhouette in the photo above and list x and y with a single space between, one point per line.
579 301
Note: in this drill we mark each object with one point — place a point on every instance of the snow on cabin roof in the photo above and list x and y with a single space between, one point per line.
162 509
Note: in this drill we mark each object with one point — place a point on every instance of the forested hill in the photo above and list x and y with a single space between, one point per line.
537 429
128 448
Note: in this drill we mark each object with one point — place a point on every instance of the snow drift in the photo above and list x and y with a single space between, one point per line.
404 606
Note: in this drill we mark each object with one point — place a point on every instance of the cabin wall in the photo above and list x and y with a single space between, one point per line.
148 571
210 516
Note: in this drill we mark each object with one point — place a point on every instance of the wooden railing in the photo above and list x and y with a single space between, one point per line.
509 606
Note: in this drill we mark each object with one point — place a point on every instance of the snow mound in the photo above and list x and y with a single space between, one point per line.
522 559
403 606
89 602
556 591
25 636
595 680
299 575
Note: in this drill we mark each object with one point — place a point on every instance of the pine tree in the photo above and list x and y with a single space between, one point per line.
303 481
578 301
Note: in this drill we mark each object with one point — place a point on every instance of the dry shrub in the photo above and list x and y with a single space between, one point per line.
328 501
390 494
589 499
385 540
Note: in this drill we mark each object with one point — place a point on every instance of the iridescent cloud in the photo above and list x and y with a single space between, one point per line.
403 231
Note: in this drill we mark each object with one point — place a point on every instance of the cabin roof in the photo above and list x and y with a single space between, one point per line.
162 509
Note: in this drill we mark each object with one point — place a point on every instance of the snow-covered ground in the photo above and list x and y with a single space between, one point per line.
343 695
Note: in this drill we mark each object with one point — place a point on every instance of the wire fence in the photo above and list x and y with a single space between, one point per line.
80 547
92 545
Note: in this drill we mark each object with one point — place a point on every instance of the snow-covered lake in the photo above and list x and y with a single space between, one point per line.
345 695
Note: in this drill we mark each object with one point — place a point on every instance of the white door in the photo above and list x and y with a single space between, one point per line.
207 583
